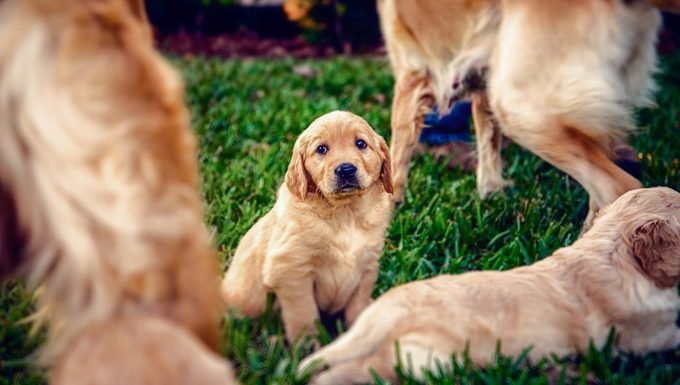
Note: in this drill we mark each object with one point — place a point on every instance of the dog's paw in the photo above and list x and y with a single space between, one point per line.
310 366
486 187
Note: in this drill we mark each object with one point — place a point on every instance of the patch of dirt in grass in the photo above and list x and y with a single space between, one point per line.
249 44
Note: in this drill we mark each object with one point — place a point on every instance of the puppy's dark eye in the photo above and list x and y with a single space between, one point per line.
322 149
360 143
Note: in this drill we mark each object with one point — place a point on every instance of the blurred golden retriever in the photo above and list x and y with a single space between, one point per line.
622 273
563 79
318 248
98 187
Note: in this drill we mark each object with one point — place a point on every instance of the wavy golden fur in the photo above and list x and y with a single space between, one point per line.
97 161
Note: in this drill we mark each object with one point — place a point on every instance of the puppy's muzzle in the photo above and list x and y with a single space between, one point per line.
346 177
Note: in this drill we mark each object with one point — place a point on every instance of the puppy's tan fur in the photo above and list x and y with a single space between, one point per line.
563 80
99 177
622 273
317 249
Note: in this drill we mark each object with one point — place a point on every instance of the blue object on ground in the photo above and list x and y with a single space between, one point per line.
453 127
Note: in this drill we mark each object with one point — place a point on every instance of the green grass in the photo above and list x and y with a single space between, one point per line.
247 115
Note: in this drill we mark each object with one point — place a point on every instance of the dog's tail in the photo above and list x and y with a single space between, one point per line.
371 332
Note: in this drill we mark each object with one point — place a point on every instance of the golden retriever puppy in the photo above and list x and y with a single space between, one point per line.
318 248
563 79
98 174
622 273
139 350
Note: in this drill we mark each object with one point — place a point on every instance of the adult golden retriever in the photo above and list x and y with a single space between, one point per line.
98 190
563 78
318 248
622 273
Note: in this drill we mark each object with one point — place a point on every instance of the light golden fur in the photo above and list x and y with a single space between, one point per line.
98 162
563 79
139 350
622 273
317 249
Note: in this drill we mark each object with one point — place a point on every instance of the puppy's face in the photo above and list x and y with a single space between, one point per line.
337 156
648 221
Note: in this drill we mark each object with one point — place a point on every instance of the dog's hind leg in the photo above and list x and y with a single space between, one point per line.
413 98
488 138
360 371
415 356
582 157
363 339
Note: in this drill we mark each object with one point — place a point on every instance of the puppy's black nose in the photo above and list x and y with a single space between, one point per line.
346 171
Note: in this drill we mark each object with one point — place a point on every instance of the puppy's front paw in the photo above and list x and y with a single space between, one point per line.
486 187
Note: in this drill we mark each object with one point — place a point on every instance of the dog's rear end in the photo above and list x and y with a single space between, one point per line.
98 159
565 77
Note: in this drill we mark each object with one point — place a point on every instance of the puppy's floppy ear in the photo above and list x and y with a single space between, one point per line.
297 179
655 244
386 169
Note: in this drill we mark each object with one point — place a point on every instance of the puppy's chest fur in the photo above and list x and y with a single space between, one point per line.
343 259
334 245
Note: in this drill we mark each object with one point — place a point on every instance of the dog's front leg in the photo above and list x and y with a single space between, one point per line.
361 297
291 279
413 98
298 307
488 138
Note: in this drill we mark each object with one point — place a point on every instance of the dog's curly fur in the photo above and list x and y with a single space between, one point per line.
98 162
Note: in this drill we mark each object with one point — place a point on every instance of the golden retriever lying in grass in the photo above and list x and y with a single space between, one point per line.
563 79
318 248
622 273
98 190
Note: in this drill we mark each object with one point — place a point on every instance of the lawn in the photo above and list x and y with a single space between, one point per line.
247 115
